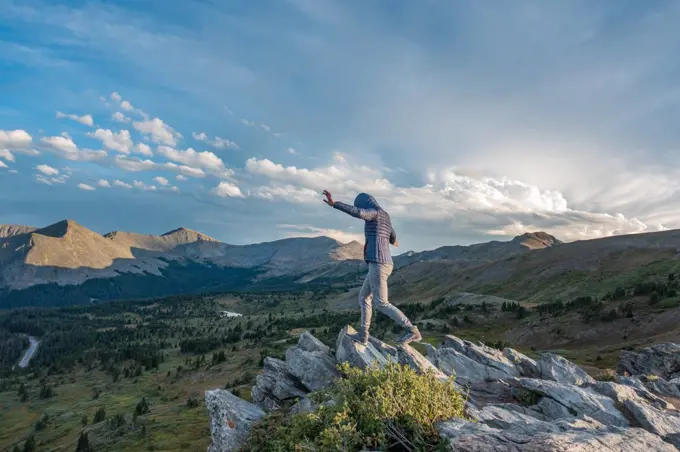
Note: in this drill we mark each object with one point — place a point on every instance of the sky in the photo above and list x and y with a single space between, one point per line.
468 121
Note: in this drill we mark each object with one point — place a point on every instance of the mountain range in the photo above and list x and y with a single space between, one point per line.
67 263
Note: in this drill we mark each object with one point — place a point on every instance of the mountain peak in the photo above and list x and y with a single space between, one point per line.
60 228
189 235
538 239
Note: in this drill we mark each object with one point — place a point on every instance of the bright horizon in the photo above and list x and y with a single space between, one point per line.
469 122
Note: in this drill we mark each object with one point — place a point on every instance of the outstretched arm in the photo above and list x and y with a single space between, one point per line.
364 214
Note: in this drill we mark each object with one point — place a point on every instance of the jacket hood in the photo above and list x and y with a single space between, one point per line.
366 201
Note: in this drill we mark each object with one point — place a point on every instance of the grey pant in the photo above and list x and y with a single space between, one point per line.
375 289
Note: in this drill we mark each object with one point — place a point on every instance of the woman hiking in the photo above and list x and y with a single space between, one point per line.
379 236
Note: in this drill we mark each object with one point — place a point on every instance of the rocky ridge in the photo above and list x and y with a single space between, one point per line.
517 403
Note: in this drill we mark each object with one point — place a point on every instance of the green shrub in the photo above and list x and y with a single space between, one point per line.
606 375
393 408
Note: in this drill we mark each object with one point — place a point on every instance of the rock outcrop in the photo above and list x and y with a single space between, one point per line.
516 403
230 419
661 360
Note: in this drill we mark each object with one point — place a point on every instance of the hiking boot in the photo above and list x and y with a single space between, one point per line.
358 338
411 335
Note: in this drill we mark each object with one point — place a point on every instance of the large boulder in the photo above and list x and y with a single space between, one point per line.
576 400
663 423
662 360
620 393
310 362
408 356
467 370
575 435
482 354
527 367
230 419
643 392
358 355
660 386
556 368
276 385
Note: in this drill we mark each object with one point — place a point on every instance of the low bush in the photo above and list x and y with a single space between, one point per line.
393 408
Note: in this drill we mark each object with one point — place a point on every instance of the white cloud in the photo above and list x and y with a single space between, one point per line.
86 187
134 165
175 189
266 128
13 171
85 119
47 170
292 151
205 160
104 183
218 142
142 186
305 230
65 148
248 123
127 106
227 189
47 180
7 155
119 142
483 205
3 164
14 139
144 149
161 180
120 117
116 97
180 177
120 183
159 132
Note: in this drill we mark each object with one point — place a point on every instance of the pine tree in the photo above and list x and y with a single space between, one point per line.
83 443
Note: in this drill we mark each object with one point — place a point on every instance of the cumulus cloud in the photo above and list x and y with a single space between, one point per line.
120 117
218 142
119 142
14 139
7 155
86 187
227 190
121 184
305 230
104 183
127 106
3 164
134 165
52 178
85 119
116 97
205 160
158 131
144 149
65 148
292 151
180 177
485 205
142 186
160 180
47 170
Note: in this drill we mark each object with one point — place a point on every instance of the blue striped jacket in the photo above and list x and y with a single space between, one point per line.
377 229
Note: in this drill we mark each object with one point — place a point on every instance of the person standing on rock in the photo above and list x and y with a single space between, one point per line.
379 236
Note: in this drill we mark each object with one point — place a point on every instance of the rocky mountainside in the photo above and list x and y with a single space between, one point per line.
515 403
559 271
67 253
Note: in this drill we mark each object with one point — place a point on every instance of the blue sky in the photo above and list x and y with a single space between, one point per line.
468 121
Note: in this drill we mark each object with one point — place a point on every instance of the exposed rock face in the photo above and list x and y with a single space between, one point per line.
527 367
662 360
310 362
560 408
358 355
554 367
230 419
489 357
576 435
276 385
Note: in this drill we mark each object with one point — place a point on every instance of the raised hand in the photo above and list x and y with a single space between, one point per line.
329 198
